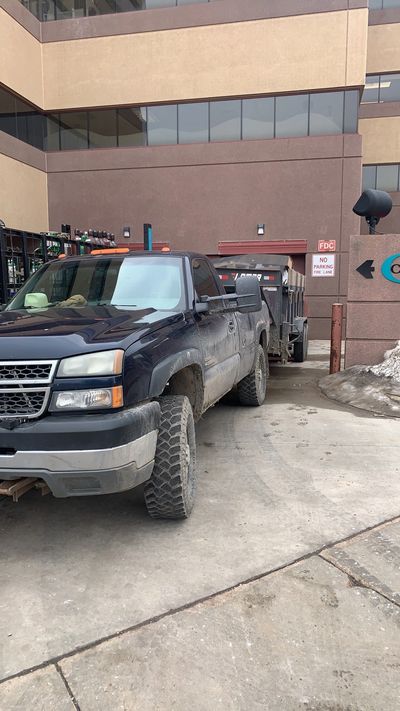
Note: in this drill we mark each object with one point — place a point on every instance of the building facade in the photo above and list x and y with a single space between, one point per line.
206 119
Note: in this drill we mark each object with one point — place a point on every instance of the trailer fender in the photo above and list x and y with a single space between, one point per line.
299 322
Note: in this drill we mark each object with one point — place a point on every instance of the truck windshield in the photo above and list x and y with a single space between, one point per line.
131 283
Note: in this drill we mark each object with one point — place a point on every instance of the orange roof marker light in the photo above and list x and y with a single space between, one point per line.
165 249
62 256
118 250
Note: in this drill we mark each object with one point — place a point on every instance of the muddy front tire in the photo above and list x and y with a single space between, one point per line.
170 492
252 390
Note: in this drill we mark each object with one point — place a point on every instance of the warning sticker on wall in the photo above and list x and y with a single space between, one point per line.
323 265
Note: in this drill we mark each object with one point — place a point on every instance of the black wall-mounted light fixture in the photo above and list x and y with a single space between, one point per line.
126 232
260 230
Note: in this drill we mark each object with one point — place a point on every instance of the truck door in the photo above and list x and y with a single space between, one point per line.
218 336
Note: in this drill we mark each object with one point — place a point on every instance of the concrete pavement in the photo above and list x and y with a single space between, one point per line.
112 604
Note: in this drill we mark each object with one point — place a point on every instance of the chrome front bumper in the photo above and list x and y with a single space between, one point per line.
70 471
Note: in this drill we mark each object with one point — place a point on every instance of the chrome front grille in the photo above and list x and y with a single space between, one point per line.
34 372
23 394
23 403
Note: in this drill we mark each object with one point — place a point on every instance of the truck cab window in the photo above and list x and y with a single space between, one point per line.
203 279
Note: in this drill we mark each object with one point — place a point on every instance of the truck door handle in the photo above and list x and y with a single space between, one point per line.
231 326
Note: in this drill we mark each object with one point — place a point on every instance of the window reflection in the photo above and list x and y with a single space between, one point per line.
73 130
162 125
381 88
326 113
193 122
225 120
322 113
46 10
383 4
103 128
258 118
8 119
132 127
382 177
292 116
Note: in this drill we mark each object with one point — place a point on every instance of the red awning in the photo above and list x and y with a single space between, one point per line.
286 246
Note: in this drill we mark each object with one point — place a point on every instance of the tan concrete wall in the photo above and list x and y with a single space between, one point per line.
286 54
383 49
381 139
24 200
20 60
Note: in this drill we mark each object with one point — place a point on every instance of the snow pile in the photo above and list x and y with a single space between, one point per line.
374 388
390 368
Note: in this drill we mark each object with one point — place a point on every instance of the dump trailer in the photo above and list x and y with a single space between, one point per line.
282 288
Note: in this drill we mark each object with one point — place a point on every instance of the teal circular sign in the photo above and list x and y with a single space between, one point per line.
391 268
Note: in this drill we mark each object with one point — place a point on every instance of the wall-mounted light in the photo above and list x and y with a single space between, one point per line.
261 230
126 232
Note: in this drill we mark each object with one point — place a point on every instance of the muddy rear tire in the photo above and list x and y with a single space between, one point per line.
252 390
300 348
170 492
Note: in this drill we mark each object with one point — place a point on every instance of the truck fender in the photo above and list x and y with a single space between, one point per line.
168 367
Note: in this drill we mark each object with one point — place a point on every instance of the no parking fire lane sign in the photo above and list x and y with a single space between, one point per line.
323 265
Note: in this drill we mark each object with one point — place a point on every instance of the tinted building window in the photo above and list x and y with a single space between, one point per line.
162 125
258 118
8 120
52 133
389 87
351 104
103 129
66 9
132 127
326 113
196 122
101 7
36 122
73 130
292 115
381 88
129 5
382 177
193 123
225 120
159 3
371 91
383 4
369 177
387 177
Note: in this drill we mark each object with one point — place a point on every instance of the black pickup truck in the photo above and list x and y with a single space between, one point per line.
106 362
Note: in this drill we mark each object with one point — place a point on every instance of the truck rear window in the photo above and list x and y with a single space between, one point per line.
132 283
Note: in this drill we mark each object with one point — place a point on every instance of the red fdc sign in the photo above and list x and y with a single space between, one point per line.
327 245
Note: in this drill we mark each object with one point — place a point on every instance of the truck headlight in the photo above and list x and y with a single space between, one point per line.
101 363
96 399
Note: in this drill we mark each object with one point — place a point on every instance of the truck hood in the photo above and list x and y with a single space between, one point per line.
60 332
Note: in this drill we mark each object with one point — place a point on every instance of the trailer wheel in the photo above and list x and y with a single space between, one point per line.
252 389
170 492
300 348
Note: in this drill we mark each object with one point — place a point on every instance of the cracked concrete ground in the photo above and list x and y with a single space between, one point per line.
281 591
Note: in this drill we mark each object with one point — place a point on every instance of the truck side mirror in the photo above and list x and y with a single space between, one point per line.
249 294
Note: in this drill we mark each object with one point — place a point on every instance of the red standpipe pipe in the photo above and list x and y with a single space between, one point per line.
336 338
